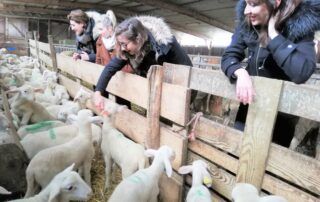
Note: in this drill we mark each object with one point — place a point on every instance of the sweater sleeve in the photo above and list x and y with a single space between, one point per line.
233 55
109 70
297 60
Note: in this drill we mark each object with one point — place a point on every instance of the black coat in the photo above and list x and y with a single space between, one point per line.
160 53
289 56
86 43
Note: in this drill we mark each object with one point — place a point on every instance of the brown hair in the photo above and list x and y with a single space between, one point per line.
282 13
78 16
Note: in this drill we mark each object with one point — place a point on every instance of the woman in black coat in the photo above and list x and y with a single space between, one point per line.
278 36
142 41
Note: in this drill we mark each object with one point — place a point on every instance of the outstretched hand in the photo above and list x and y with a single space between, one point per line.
244 88
98 101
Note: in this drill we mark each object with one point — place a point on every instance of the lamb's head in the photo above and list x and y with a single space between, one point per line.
68 185
165 154
82 96
84 116
199 171
24 92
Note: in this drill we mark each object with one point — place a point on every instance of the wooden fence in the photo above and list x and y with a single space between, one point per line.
233 156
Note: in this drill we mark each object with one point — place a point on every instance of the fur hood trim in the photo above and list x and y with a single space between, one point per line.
303 22
158 28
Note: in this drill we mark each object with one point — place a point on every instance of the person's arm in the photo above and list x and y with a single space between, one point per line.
233 55
110 69
297 60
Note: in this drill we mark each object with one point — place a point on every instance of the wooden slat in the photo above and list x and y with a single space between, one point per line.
155 78
134 126
46 59
44 47
270 183
171 188
258 132
33 52
301 100
176 74
133 88
283 162
52 53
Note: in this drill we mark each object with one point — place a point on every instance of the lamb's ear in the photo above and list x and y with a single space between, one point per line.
168 167
150 152
70 168
185 169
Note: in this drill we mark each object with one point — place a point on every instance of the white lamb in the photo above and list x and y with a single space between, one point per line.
244 192
25 106
119 149
143 184
200 175
33 143
47 163
65 186
38 127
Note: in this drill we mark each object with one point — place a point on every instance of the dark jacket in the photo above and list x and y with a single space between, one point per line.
162 49
289 56
86 43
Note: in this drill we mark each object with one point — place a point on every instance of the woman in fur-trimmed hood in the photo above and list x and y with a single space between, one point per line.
142 41
278 36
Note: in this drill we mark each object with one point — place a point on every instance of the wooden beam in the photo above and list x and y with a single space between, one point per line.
36 10
155 78
229 140
185 11
258 131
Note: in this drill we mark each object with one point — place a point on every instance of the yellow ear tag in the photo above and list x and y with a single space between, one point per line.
207 180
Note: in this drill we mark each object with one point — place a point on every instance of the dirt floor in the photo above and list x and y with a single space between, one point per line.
98 179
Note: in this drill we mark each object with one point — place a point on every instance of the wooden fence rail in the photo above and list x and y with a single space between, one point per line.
233 156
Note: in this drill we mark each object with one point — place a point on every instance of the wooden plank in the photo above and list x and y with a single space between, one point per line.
155 77
134 126
133 88
229 139
270 183
33 52
301 100
176 74
171 188
45 58
44 47
52 51
258 132
212 82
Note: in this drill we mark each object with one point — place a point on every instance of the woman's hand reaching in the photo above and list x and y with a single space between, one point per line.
244 88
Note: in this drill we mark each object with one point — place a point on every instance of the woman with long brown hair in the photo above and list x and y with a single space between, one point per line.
278 36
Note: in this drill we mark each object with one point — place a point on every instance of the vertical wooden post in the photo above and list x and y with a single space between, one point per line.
37 45
155 77
6 29
258 132
52 53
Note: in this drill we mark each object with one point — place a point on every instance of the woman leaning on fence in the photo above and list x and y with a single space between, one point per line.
278 35
82 26
143 41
